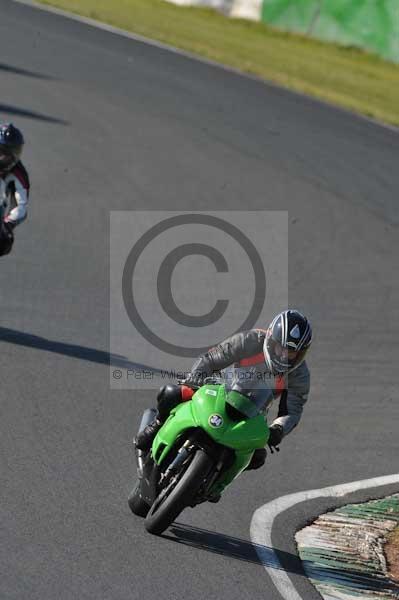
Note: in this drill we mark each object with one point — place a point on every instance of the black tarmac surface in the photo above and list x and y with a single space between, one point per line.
115 124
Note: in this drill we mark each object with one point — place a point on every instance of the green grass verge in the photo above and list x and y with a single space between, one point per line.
346 77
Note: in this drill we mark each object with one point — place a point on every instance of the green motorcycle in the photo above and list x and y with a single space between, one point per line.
204 444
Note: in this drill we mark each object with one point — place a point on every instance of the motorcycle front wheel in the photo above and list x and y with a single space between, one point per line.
178 494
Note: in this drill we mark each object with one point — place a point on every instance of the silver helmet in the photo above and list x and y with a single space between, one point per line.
287 341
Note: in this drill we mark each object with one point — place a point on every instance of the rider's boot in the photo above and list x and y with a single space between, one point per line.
169 396
145 438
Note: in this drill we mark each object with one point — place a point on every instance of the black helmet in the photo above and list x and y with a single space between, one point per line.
11 143
287 341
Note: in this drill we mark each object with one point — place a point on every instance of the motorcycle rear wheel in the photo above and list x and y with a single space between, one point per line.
136 503
178 494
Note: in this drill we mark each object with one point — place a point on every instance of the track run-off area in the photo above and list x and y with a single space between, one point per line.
113 123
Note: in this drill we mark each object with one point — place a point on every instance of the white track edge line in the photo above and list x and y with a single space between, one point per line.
263 518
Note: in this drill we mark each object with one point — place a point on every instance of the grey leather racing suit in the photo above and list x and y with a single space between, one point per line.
240 358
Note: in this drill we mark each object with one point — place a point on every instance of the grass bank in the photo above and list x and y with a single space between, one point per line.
391 550
346 77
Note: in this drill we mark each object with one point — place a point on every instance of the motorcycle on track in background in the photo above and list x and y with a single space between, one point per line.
204 444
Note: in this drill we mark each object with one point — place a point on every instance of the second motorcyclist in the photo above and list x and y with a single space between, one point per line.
14 184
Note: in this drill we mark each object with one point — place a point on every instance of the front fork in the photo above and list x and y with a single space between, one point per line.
241 461
224 459
177 463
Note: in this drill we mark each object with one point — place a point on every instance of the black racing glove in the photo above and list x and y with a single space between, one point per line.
8 229
194 380
9 225
276 435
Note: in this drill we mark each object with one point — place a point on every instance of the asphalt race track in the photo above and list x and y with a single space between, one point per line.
101 114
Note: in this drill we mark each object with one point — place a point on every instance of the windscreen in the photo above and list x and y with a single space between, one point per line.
246 392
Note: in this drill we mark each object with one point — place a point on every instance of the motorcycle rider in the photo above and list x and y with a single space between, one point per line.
14 184
275 355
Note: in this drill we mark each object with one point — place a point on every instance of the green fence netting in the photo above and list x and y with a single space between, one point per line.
369 24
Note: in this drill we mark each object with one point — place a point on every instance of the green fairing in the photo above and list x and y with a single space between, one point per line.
242 436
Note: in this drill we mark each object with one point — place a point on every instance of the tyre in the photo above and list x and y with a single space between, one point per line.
178 494
136 503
